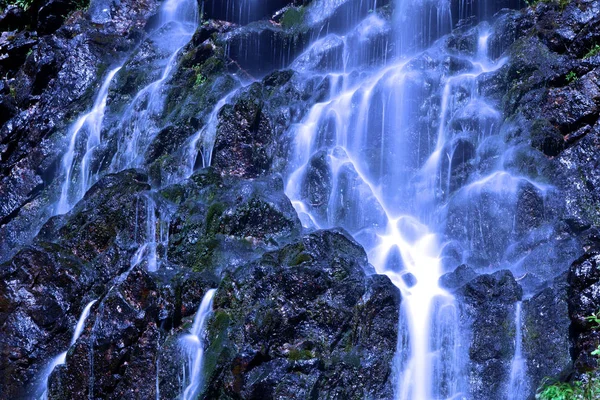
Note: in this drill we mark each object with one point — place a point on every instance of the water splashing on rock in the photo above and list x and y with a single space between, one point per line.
62 357
193 346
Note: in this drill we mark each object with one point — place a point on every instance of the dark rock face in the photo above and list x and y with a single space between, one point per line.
317 182
119 347
489 306
223 222
458 278
45 287
551 98
584 300
546 338
52 76
12 18
548 92
101 221
579 170
244 141
553 94
39 288
304 322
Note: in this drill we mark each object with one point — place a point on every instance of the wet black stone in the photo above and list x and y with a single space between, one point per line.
458 278
546 334
488 303
306 316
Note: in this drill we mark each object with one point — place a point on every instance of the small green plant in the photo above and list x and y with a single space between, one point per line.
559 391
24 4
571 76
594 319
595 50
561 3
590 390
293 17
200 78
586 389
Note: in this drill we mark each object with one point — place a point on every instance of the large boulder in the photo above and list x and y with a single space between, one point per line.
303 322
220 223
43 291
116 355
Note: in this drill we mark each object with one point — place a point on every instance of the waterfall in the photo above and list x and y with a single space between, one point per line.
517 388
62 357
178 20
193 346
206 137
90 123
391 180
392 130
138 123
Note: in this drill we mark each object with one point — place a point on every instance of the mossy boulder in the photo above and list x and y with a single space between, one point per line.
220 221
303 321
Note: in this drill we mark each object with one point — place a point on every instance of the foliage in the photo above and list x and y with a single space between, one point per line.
200 78
571 77
293 17
593 51
24 4
595 319
561 3
559 391
589 390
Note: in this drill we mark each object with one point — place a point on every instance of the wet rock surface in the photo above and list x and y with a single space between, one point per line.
546 333
583 302
303 322
552 102
295 316
222 222
46 287
51 74
489 307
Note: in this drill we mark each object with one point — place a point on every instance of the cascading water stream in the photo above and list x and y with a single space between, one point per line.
62 357
178 22
388 188
206 137
90 123
139 123
389 179
518 371
193 346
